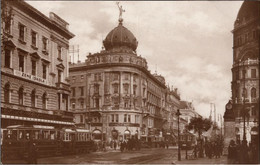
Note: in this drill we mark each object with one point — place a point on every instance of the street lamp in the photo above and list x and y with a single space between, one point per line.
179 151
186 139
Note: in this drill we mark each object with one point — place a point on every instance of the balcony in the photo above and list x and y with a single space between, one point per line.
62 85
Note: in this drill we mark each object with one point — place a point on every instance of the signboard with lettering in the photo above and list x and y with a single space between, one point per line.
30 77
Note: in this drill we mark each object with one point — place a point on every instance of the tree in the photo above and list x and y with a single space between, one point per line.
199 125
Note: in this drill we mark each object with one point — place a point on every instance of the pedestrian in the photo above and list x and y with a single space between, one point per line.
122 146
167 145
32 154
195 151
232 153
244 153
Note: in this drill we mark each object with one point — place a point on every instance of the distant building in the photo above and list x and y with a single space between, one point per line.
34 67
188 111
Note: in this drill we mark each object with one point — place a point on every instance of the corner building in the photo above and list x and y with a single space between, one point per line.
34 67
245 72
113 93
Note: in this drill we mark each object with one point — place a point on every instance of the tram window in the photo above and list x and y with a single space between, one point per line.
84 137
14 135
45 134
52 135
21 134
36 135
66 137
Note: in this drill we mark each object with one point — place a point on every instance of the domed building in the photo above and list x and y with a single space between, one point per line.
245 73
115 95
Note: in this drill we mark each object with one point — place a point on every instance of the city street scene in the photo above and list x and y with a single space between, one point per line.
130 82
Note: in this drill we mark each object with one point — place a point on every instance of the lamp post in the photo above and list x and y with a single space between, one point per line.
186 139
179 151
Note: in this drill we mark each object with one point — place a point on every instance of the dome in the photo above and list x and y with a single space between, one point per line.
248 9
120 37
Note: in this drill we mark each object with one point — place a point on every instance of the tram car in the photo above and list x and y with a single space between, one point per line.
187 141
48 140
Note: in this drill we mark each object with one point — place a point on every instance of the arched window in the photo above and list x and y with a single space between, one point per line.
253 93
20 95
44 101
7 93
33 98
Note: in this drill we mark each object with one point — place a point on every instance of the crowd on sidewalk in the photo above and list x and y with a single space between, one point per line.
242 153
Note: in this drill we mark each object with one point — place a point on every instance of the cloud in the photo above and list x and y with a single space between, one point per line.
190 43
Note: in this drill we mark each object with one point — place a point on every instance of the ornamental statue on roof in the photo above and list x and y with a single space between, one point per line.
121 10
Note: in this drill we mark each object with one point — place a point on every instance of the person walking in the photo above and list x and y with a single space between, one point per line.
115 145
32 154
232 154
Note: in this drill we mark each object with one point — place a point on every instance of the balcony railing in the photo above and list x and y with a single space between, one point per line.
62 85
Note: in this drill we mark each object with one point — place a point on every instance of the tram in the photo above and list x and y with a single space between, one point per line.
187 141
49 141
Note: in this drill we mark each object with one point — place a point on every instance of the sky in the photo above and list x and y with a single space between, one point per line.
187 42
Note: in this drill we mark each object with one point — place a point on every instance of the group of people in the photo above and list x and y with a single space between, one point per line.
241 153
130 144
209 149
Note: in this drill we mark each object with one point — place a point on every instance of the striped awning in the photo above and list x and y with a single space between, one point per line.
35 119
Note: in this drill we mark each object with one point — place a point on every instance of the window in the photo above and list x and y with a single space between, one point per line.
81 118
20 95
136 118
44 101
112 118
126 88
244 74
81 78
33 67
115 76
129 118
81 91
59 75
135 78
134 89
96 103
73 79
7 93
21 32
73 92
73 104
116 100
34 38
59 52
126 76
126 104
115 87
44 43
253 73
7 58
253 111
117 118
8 26
143 91
96 88
125 118
44 71
21 63
253 93
97 77
33 98
81 104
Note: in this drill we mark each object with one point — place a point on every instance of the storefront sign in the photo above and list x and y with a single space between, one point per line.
30 77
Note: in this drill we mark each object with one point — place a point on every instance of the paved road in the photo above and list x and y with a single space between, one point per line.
144 156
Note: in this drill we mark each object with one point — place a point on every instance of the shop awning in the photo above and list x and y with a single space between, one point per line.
35 119
82 130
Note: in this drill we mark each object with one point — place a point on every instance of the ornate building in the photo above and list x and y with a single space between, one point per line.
115 95
245 72
34 67
187 111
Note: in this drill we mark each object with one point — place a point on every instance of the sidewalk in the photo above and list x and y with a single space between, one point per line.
221 160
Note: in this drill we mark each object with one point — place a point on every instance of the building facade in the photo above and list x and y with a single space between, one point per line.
34 67
115 96
245 71
187 111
